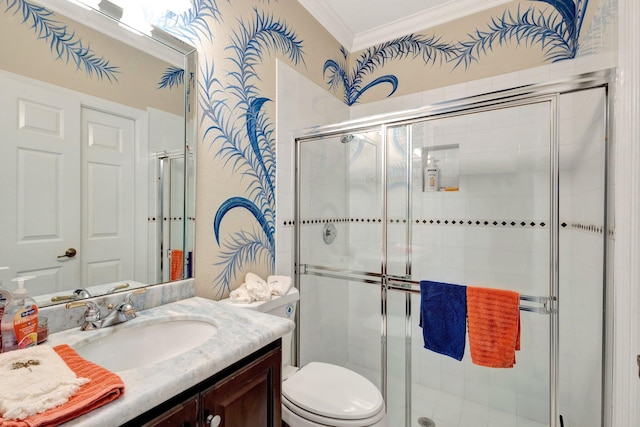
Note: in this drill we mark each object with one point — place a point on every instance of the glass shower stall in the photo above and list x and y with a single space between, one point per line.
507 190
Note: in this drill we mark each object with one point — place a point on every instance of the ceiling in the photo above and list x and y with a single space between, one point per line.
358 24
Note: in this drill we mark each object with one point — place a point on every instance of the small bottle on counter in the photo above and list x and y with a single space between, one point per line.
43 329
5 298
20 321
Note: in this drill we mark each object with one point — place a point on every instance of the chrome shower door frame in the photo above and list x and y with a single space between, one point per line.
526 95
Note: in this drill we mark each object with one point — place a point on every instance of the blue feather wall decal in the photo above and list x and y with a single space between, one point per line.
237 125
62 41
172 76
191 25
241 202
430 49
556 30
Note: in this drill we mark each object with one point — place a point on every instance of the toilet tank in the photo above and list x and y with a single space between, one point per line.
284 306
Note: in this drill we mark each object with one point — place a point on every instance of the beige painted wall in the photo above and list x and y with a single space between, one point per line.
416 76
21 52
219 181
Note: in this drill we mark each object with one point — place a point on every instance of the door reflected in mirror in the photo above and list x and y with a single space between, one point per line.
96 170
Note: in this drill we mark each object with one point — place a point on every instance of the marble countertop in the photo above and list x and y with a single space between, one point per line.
240 333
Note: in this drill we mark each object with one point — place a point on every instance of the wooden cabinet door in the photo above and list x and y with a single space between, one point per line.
182 415
248 397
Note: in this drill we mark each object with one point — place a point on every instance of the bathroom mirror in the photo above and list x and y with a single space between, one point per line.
96 152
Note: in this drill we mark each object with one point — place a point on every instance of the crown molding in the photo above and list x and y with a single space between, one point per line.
330 20
420 21
450 11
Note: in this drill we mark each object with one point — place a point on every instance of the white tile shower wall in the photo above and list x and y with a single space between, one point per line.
582 198
301 104
324 301
365 208
324 307
497 181
323 190
581 257
528 158
364 329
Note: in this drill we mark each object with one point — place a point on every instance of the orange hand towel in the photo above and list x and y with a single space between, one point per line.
104 387
176 264
493 317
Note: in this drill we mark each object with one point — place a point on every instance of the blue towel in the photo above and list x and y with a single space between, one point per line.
443 317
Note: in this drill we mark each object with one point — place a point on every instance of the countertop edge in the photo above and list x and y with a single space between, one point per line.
240 333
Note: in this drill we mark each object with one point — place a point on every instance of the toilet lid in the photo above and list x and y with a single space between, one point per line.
332 391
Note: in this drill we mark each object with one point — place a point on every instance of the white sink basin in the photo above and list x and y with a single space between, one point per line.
133 345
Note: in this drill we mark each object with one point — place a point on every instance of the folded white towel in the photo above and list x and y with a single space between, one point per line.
33 380
279 285
257 287
253 281
254 288
240 294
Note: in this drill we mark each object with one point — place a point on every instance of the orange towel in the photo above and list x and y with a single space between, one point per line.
104 387
176 264
493 317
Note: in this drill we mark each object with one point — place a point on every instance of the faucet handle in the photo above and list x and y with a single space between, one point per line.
127 308
127 297
118 287
92 314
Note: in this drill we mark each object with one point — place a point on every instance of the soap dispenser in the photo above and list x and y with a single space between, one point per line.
20 320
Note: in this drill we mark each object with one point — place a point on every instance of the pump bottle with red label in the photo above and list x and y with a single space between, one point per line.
20 320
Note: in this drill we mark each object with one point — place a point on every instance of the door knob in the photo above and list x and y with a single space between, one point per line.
69 253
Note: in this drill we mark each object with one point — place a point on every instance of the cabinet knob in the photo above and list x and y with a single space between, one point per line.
214 421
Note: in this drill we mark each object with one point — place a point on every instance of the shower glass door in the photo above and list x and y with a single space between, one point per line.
478 212
340 250
507 193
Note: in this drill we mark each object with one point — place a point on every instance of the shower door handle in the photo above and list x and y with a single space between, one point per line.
638 361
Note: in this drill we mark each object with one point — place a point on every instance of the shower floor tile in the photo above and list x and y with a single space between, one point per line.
453 411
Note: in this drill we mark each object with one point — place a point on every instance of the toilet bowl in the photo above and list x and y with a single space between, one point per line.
320 394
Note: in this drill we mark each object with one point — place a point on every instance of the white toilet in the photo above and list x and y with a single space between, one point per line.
320 394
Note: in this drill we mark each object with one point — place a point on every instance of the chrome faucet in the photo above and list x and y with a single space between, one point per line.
120 313
76 295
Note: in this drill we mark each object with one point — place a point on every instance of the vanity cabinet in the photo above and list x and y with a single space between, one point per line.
245 394
184 414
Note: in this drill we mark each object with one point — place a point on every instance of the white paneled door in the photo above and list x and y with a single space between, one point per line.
108 197
67 182
39 183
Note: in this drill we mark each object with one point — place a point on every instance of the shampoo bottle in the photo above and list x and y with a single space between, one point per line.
20 321
431 175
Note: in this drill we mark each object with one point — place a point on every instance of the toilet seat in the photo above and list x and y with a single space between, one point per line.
332 395
295 416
